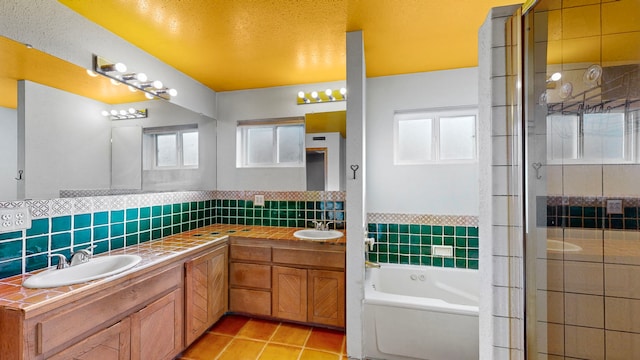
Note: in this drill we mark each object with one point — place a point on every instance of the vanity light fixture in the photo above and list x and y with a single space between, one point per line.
315 97
126 114
118 74
551 80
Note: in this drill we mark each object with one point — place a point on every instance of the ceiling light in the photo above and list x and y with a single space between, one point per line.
105 113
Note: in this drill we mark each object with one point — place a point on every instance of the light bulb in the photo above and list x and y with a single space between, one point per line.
141 77
120 67
115 82
91 73
328 92
314 94
148 96
123 112
173 92
343 91
114 112
132 89
105 113
556 76
157 84
132 111
301 94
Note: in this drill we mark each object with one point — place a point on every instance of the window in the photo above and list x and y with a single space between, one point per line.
270 143
435 136
592 138
171 148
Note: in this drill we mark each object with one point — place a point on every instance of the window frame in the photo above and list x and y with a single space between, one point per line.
435 114
242 142
178 131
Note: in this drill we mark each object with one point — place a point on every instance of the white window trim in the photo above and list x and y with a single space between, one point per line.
435 114
178 131
242 129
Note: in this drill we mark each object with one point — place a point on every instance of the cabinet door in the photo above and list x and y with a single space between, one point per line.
205 292
156 330
109 344
289 293
326 297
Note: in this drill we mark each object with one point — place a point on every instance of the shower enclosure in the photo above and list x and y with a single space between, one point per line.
582 179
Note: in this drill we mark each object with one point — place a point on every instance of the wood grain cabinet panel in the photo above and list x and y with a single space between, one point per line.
250 253
289 293
156 330
250 275
205 292
109 344
250 301
326 297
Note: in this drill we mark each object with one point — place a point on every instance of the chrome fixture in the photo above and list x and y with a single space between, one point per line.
123 114
118 74
62 261
371 264
81 256
315 97
322 225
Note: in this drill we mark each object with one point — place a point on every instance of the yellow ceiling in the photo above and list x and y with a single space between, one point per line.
21 62
245 44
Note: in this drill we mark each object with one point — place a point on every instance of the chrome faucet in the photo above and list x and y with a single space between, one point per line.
81 256
62 261
322 225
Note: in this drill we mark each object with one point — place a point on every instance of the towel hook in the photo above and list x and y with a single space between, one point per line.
20 172
354 168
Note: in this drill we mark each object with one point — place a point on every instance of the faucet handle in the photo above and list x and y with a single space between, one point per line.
82 255
62 261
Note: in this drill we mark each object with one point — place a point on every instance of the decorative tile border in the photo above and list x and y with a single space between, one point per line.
453 220
283 195
589 212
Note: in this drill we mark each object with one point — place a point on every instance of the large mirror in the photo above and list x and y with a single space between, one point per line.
54 137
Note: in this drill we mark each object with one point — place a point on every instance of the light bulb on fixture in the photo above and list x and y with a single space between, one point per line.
132 89
148 96
119 67
173 92
133 76
314 95
115 82
105 113
157 84
132 111
123 112
114 112
555 76
91 73
329 94
303 96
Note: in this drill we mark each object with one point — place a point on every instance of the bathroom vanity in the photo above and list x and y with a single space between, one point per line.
182 286
153 312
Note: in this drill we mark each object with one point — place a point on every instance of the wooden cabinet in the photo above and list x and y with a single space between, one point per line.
296 281
156 330
109 344
289 293
138 316
205 292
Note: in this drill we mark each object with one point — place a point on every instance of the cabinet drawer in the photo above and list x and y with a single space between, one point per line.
253 253
250 275
332 259
250 301
61 329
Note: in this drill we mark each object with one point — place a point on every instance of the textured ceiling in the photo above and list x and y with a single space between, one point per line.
245 44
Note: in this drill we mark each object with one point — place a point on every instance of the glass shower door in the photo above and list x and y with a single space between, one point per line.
583 180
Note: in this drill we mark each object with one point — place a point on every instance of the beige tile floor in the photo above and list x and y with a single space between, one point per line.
241 338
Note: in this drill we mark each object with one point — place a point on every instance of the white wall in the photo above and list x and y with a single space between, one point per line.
446 189
162 113
67 142
57 30
9 151
275 102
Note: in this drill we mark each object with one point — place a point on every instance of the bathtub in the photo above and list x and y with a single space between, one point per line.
420 312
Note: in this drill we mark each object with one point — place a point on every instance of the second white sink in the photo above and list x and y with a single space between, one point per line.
313 234
95 268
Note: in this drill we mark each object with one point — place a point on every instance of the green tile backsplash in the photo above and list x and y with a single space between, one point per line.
412 244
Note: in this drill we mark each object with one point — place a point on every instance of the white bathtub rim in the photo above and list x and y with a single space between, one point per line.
373 297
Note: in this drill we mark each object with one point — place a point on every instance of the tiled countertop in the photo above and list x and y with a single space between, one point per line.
14 295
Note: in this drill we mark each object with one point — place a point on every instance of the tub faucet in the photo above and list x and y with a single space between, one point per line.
81 256
62 261
371 264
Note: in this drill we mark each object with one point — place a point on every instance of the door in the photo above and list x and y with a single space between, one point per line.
157 330
112 343
289 293
326 297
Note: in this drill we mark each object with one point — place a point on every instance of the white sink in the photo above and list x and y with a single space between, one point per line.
313 234
95 268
